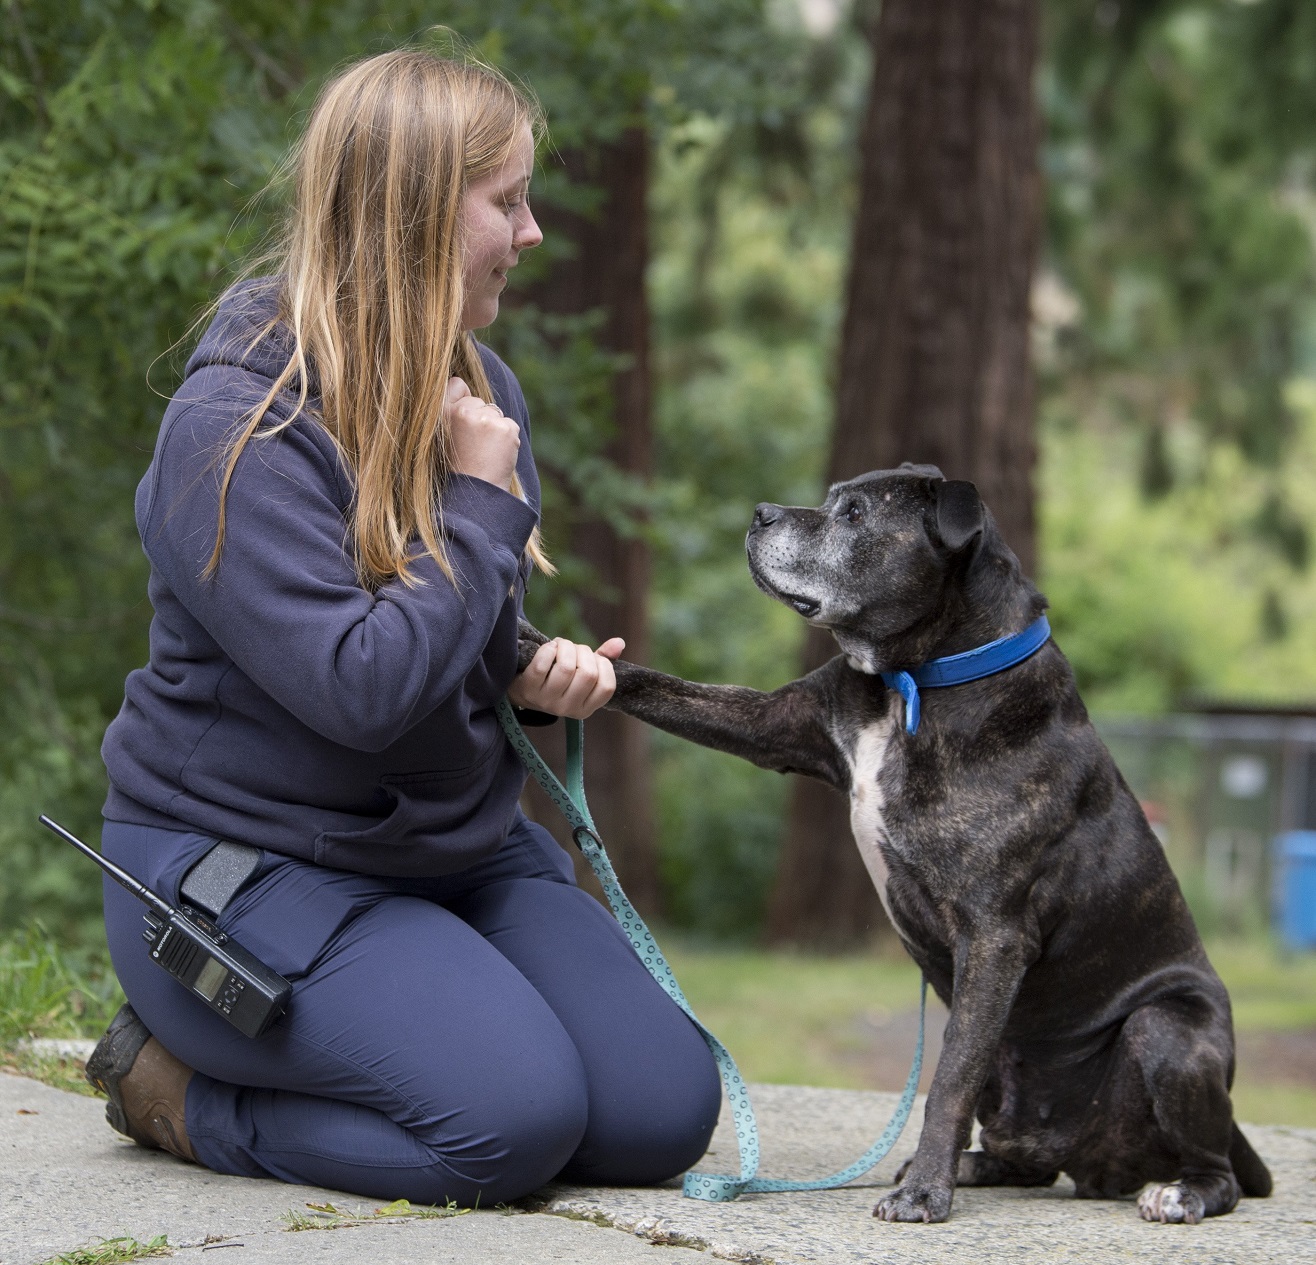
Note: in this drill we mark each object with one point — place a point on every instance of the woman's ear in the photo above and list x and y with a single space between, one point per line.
960 513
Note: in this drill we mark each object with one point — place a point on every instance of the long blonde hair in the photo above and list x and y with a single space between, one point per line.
370 274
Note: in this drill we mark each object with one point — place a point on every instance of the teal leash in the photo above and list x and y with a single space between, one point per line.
714 1187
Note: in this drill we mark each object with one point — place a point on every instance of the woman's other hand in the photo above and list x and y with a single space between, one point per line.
566 679
484 441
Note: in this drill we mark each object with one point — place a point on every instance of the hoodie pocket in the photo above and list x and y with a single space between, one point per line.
439 810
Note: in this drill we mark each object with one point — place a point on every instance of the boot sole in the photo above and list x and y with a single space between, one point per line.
111 1061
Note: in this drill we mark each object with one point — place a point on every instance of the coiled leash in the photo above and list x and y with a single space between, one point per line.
715 1187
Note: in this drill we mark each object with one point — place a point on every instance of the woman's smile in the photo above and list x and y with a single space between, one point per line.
497 225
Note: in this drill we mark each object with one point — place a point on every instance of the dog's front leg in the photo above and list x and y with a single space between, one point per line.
788 730
988 971
785 730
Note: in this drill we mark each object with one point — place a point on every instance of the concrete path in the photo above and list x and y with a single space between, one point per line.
66 1179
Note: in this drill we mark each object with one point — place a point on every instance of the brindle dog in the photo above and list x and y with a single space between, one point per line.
1087 1029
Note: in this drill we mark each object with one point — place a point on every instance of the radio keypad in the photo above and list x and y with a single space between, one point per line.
231 994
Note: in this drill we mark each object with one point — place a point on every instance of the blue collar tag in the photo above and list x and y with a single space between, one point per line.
972 665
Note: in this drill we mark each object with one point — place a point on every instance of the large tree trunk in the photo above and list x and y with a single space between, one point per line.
606 269
934 362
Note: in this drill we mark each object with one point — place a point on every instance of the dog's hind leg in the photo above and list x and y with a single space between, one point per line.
1184 1051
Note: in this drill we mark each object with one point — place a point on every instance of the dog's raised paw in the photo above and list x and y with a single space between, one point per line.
914 1203
1171 1202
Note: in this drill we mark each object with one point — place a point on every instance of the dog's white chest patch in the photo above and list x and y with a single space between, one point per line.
867 800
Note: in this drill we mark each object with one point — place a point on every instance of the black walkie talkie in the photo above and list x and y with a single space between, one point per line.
232 982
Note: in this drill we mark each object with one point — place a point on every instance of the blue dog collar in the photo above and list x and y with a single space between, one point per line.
956 669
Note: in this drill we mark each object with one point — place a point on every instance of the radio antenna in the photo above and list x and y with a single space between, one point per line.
140 890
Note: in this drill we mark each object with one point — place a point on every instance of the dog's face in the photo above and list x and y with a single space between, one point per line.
872 560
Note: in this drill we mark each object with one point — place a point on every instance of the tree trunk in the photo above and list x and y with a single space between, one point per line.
934 363
606 269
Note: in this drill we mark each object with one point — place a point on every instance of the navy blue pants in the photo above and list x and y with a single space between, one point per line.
466 1038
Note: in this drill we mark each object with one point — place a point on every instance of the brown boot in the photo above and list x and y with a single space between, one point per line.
146 1085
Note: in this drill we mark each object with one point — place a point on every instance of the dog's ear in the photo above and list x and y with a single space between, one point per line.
960 514
928 472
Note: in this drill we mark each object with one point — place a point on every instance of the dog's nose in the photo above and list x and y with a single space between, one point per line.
765 515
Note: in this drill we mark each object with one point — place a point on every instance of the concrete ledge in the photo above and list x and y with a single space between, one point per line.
66 1178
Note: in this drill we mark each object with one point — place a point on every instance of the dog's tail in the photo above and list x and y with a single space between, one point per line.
1253 1176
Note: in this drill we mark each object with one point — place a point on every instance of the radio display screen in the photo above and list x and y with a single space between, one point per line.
212 976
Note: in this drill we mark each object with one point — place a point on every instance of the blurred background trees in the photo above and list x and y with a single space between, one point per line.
686 363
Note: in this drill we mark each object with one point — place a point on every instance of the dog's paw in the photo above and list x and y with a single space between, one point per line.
529 639
526 631
1171 1202
915 1203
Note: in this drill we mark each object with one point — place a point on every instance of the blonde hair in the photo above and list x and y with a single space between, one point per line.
370 277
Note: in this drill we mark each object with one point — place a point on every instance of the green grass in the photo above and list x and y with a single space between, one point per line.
797 1019
48 991
1269 989
1271 992
1259 1102
113 1251
67 1074
794 1019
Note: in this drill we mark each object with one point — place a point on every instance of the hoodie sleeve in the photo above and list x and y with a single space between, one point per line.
285 605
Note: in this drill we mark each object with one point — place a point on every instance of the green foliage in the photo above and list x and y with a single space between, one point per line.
1156 601
129 134
49 762
601 66
51 992
567 381
1175 322
720 824
47 991
752 226
1179 158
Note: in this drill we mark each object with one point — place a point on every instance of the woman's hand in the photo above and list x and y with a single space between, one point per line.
565 679
484 442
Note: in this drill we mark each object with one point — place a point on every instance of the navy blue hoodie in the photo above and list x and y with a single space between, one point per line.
284 705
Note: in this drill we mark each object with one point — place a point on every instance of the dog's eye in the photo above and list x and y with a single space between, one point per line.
853 512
